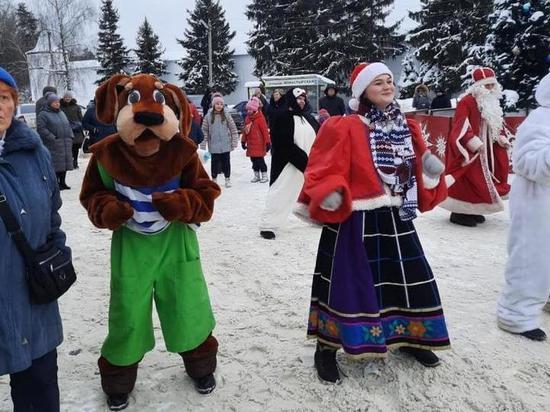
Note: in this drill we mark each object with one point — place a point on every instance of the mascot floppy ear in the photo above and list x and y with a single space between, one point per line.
177 100
106 98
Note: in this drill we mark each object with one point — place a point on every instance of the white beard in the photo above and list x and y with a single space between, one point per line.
488 102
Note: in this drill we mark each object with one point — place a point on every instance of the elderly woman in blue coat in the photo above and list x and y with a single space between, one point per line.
29 333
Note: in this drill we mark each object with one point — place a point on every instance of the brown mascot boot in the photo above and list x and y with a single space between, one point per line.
117 382
200 364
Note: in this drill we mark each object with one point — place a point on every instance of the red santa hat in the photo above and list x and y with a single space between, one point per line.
484 75
362 75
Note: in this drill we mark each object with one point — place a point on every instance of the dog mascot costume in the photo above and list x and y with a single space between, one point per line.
147 184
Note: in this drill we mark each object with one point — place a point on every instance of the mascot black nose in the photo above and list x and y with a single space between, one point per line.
148 118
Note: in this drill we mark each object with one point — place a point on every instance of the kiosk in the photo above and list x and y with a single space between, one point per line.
314 84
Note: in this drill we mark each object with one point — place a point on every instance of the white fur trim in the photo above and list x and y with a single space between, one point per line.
430 182
474 144
449 180
353 104
301 210
460 206
366 76
487 80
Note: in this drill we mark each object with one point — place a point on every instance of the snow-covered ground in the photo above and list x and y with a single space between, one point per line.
260 293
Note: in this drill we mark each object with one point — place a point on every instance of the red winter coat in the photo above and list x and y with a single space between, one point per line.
476 180
341 159
195 114
255 135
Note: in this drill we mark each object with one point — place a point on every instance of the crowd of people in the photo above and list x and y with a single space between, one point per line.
361 175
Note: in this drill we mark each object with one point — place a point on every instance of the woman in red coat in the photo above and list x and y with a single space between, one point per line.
255 139
367 174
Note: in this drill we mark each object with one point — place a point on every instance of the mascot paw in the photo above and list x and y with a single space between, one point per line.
169 205
116 213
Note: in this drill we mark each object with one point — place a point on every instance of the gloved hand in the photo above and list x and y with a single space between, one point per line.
243 145
115 213
431 165
332 202
268 147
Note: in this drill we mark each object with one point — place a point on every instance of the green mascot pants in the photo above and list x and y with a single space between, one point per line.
164 268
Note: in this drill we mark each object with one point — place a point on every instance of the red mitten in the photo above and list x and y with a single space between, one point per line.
170 205
116 213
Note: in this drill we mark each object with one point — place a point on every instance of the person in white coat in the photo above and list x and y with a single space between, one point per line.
292 136
527 274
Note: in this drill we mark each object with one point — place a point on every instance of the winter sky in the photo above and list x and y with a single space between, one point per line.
168 18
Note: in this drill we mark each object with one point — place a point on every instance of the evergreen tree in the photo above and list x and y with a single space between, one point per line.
446 39
111 53
266 18
326 37
355 32
519 46
27 27
195 64
149 51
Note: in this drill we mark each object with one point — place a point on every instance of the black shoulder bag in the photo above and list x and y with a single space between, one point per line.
50 272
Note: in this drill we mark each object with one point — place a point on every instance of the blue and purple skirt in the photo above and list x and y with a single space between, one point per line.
373 288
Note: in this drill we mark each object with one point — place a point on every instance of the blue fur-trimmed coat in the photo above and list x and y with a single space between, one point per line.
28 180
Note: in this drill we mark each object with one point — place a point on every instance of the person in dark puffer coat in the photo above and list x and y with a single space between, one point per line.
73 112
29 333
56 133
332 103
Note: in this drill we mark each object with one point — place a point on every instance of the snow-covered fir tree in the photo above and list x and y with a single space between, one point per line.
111 53
27 27
296 36
195 42
445 40
149 51
266 17
357 33
519 46
324 36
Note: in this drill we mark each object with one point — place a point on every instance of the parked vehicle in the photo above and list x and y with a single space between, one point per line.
26 113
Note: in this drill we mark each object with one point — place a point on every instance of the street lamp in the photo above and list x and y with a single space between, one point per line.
208 27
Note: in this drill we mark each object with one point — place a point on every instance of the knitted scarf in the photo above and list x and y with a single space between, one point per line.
393 156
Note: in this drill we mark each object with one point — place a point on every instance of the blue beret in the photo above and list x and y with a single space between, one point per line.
7 78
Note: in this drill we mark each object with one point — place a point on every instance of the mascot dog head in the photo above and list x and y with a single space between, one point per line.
146 111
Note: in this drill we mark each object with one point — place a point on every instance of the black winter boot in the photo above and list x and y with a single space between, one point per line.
267 234
463 220
424 356
479 218
117 402
325 363
537 335
205 385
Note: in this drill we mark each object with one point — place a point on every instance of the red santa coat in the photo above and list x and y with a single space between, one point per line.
255 135
341 159
476 180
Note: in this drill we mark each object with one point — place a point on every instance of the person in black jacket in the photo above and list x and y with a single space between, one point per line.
41 103
441 100
276 106
292 136
333 104
206 101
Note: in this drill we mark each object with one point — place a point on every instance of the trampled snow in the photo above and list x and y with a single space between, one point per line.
260 293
